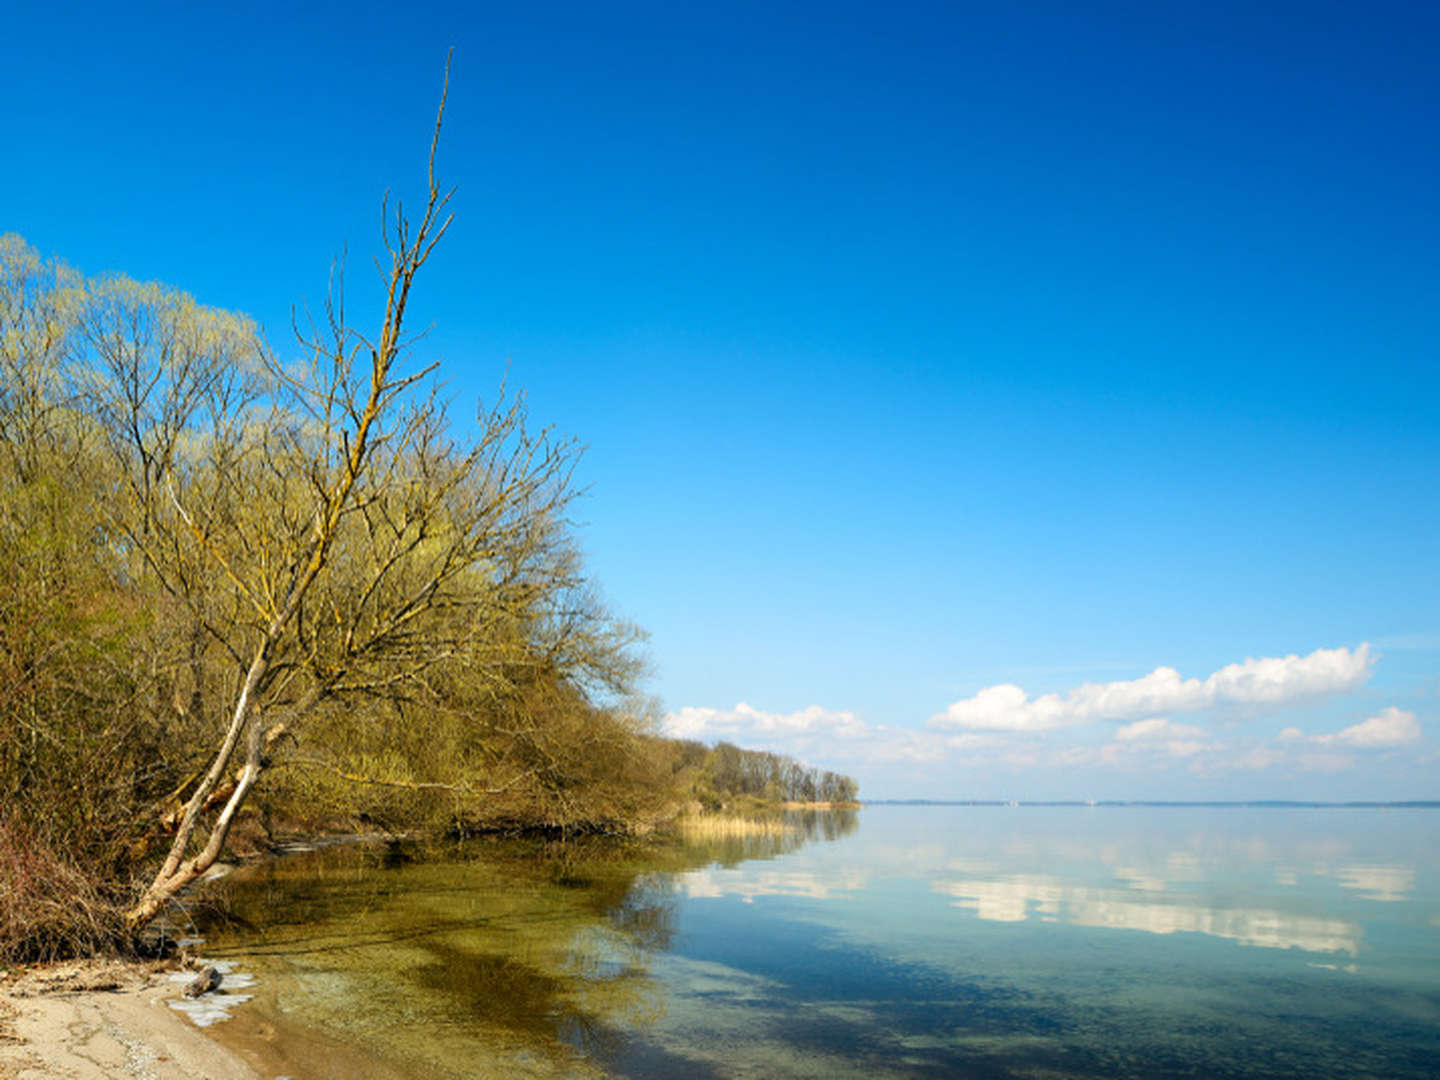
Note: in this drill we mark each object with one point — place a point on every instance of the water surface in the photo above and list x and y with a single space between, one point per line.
903 941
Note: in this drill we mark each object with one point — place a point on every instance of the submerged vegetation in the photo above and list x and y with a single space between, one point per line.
241 595
532 954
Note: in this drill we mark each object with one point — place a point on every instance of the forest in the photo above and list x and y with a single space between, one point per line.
241 595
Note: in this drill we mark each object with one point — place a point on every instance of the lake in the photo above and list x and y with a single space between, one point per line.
896 941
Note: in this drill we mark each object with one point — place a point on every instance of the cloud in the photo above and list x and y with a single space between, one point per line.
698 722
1268 681
835 736
1254 758
1186 748
1387 729
1277 681
1292 749
1005 707
1158 727
972 741
1144 753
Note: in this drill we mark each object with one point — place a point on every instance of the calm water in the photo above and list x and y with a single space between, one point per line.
899 941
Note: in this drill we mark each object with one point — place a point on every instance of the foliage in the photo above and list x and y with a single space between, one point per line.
727 777
218 569
233 586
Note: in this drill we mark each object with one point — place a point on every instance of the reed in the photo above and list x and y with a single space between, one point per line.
723 826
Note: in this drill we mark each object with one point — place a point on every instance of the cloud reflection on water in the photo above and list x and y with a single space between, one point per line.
713 882
1234 885
1014 898
1387 883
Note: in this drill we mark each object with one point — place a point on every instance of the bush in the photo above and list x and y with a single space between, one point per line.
50 908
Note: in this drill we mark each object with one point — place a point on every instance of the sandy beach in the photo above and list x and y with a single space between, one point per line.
94 1020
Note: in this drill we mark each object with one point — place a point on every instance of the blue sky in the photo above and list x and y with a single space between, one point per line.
946 370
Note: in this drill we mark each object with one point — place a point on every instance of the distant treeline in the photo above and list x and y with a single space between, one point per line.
718 775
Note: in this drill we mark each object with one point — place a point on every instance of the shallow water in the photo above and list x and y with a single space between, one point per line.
902 941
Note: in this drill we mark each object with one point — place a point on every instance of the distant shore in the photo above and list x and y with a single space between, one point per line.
1404 804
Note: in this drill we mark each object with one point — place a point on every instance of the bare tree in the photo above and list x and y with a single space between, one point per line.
316 528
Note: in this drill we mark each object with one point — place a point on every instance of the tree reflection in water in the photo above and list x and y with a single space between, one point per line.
532 955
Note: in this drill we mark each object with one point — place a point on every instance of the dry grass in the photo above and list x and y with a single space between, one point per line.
49 908
725 826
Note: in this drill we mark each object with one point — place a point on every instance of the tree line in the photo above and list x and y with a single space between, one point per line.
719 775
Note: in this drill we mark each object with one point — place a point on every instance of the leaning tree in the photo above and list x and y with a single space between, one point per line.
313 532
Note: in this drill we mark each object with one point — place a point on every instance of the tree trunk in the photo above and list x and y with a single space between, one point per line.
178 872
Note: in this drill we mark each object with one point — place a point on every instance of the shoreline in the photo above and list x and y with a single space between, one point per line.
96 1019
101 1019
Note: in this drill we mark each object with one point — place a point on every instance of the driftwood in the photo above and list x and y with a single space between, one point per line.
208 979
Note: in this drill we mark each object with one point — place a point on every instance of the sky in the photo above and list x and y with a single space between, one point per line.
989 401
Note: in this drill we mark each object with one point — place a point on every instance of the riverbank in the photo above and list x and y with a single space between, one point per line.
99 1019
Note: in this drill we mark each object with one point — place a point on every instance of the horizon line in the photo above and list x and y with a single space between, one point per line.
1302 803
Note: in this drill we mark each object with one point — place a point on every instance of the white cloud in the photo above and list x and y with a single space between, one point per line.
1005 707
897 746
1163 690
1255 758
1292 749
1108 754
698 722
1270 681
971 741
1145 753
1277 681
1158 727
834 737
1186 748
1389 728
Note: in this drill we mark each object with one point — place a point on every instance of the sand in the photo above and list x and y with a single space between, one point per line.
95 1020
